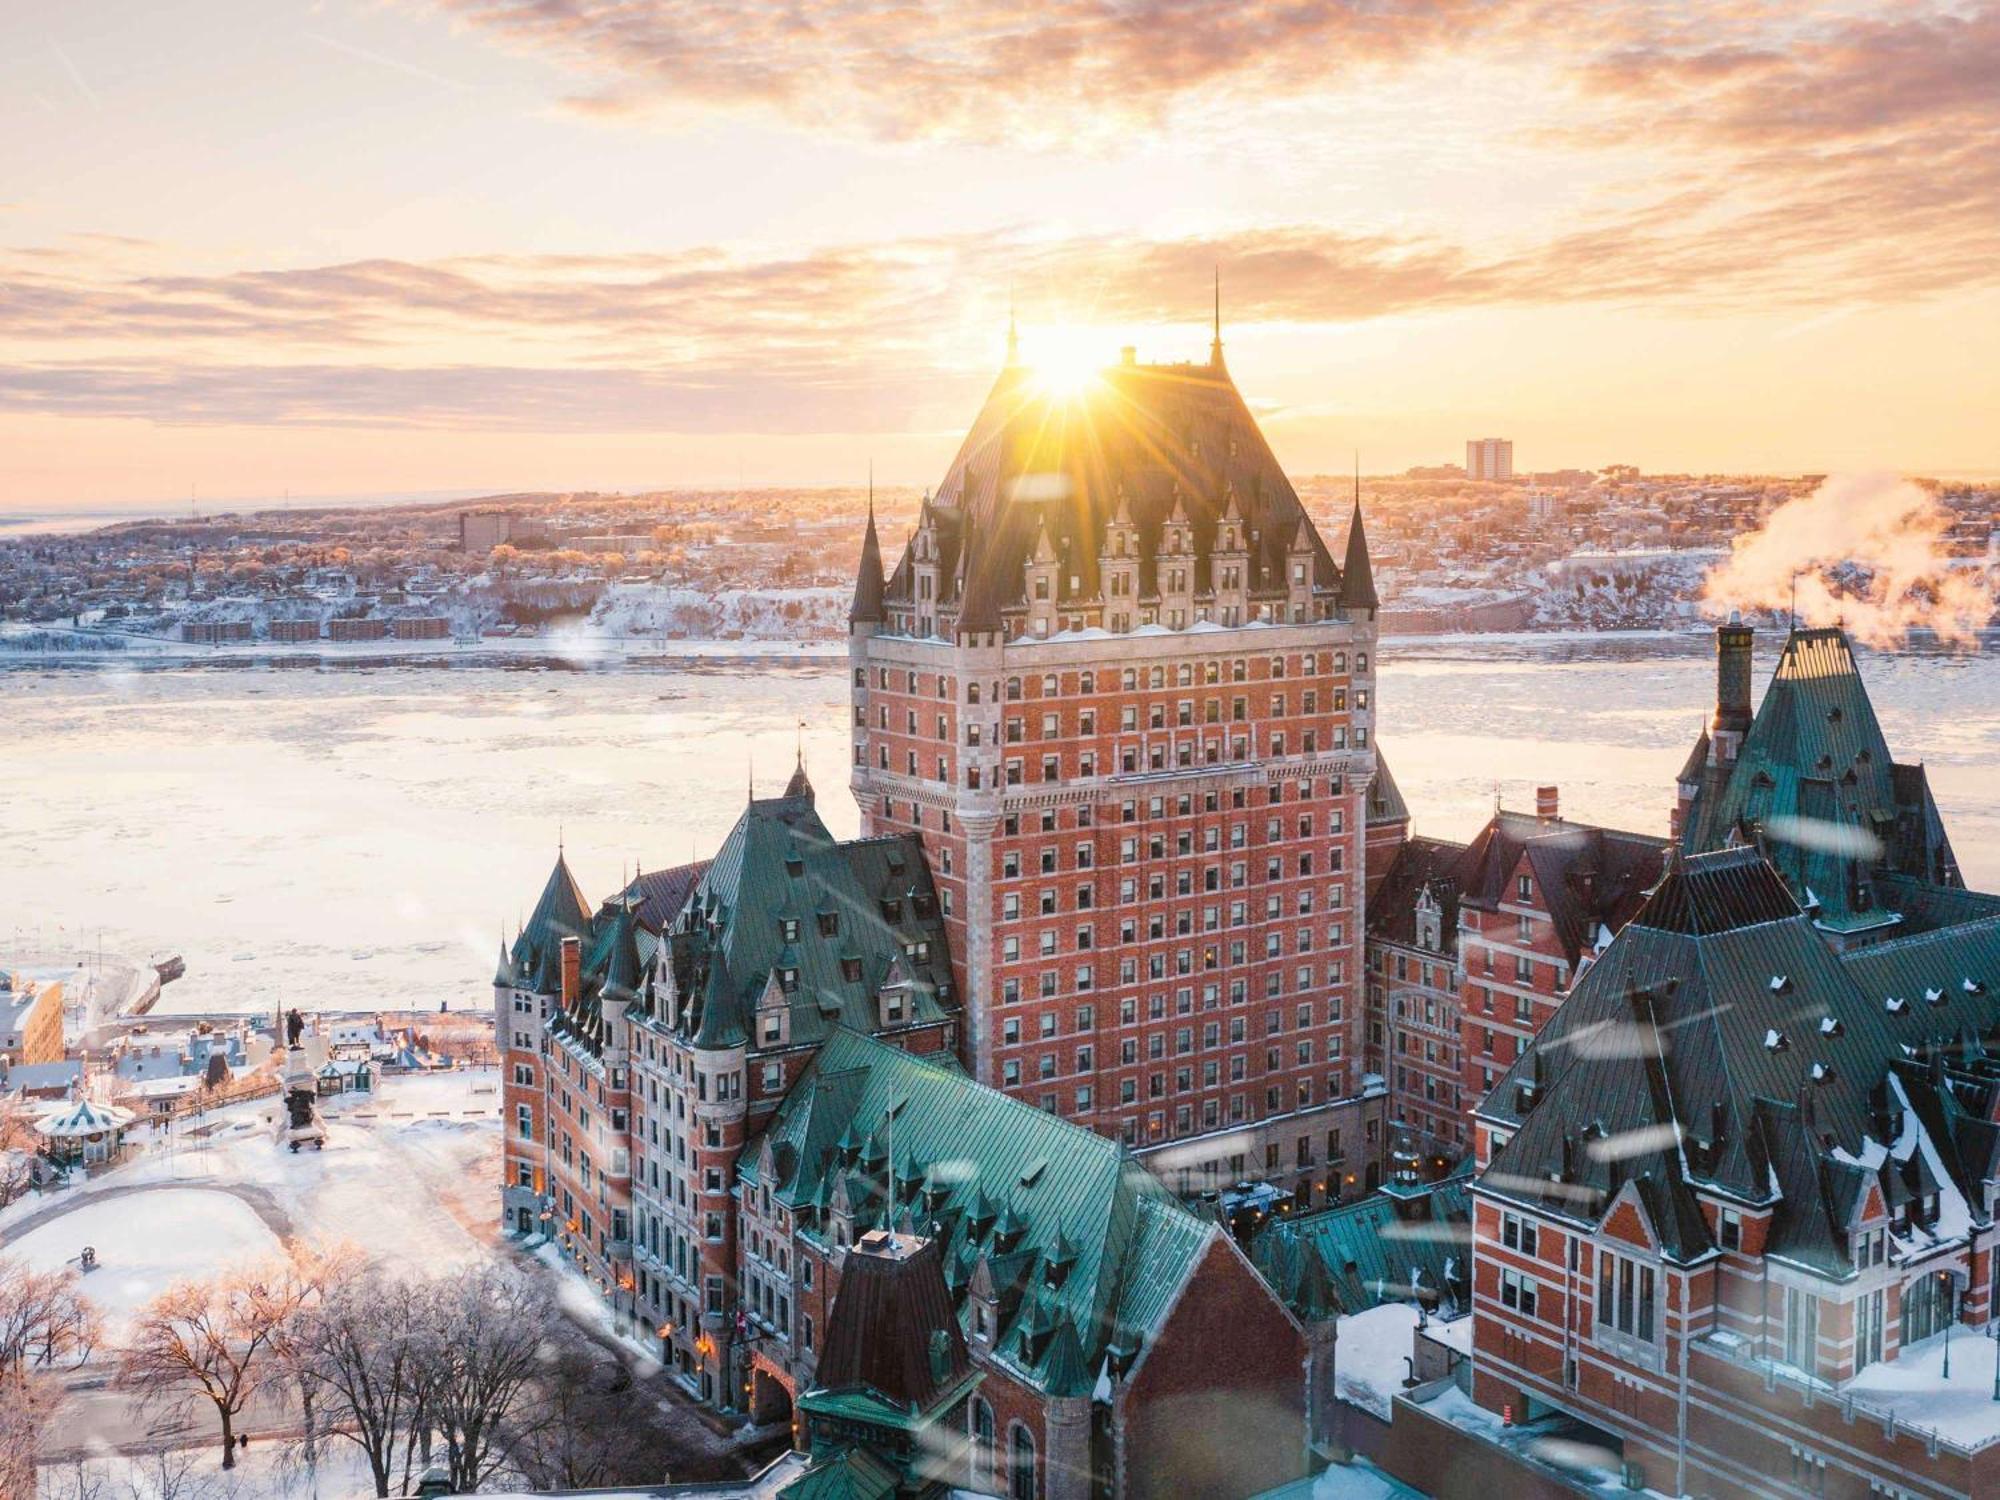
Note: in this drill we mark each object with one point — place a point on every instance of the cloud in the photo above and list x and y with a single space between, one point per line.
1006 71
832 337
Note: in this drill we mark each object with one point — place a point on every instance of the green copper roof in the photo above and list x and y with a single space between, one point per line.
1815 758
1059 1225
1720 1042
831 922
1384 1248
560 911
852 1474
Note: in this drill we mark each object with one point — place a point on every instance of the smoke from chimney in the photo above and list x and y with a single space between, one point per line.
1887 535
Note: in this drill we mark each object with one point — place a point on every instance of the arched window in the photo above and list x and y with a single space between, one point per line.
1021 1479
972 692
983 1453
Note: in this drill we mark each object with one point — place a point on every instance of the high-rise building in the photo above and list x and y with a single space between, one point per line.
1489 458
1121 690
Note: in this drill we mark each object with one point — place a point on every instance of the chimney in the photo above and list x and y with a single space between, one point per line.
572 972
1547 803
1732 690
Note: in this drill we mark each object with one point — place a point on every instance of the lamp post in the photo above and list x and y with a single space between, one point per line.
1944 1284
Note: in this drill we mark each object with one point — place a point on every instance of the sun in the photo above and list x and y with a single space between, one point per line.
1065 360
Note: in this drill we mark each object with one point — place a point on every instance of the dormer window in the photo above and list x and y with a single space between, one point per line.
788 980
788 929
850 970
794 866
829 924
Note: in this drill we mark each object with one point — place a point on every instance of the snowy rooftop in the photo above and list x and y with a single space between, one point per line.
1371 1355
1912 1386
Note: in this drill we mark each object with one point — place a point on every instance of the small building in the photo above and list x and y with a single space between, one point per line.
295 631
31 1025
420 628
45 1080
367 629
84 1133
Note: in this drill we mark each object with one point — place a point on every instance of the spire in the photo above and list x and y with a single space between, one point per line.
800 785
867 606
1357 579
1215 346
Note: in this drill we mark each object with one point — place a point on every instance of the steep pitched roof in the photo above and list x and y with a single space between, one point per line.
1721 1042
560 911
1589 877
893 1331
853 911
867 605
1421 864
1385 798
1146 445
1062 1223
1357 578
1814 785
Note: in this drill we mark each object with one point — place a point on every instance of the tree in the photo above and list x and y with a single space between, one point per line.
215 1339
481 1352
588 1433
360 1353
44 1319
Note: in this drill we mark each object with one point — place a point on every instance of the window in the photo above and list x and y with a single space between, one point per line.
1518 1292
1517 1233
1801 1330
1021 1478
1730 1224
1625 1297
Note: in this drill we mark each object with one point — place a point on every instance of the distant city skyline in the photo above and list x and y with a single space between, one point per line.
476 245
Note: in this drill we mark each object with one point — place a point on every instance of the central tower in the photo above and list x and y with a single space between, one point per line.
1120 689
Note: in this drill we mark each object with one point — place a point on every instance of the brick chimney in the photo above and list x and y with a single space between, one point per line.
1732 690
1548 802
572 972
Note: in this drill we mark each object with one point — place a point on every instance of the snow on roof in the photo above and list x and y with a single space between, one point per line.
82 1117
1371 1354
1912 1386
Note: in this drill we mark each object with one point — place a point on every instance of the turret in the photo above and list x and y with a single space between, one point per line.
1357 578
867 606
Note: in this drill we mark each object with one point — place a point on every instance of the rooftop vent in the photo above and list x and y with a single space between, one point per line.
1821 1072
1934 995
1781 984
1895 1005
1972 986
1830 1026
1774 1040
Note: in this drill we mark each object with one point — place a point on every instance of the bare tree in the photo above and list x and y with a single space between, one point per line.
44 1319
216 1339
24 1407
586 1431
481 1354
360 1356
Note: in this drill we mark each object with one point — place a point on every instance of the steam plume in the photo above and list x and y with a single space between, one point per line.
1866 550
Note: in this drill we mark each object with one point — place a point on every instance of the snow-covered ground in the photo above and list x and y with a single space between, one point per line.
664 610
145 1242
409 1176
264 1471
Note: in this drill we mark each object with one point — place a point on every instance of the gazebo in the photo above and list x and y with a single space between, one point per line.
83 1132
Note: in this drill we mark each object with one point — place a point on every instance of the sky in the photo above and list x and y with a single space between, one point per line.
250 247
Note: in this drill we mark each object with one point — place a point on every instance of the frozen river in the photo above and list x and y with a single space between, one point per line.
352 837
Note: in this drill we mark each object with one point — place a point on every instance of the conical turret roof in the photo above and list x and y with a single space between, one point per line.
867 606
1357 579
